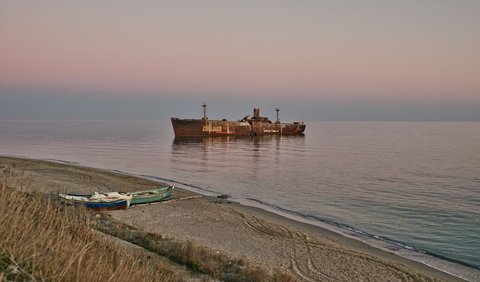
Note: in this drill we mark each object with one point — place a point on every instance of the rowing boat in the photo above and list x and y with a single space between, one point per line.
151 196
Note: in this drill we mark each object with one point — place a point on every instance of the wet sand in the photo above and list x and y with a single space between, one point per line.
310 252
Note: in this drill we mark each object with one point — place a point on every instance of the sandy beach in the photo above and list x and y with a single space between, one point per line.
309 252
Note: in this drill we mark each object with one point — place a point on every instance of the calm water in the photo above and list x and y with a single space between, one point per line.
410 186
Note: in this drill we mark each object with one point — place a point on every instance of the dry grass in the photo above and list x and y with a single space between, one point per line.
197 258
40 240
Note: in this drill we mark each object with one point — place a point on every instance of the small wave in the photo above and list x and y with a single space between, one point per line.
61 161
180 182
120 171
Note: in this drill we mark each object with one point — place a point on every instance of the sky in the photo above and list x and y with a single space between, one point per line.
316 60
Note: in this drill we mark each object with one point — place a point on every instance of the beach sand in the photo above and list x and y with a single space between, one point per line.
309 252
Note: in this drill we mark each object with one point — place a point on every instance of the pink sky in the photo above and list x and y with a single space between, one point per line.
427 50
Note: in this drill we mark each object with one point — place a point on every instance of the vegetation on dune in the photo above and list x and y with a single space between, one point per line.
197 258
43 240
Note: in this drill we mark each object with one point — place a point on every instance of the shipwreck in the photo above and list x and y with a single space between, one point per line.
247 126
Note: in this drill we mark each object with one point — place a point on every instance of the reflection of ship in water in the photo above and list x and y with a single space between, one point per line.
248 126
212 157
230 139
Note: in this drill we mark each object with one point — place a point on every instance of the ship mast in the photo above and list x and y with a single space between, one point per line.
204 111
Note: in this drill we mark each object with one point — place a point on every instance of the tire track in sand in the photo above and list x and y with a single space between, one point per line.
298 245
305 253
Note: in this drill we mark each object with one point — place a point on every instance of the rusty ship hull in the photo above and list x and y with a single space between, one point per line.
253 126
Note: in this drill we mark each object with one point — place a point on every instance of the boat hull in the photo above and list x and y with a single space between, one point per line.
213 128
117 205
150 199
99 202
99 206
151 196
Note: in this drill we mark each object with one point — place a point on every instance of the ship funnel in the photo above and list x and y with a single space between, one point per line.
256 112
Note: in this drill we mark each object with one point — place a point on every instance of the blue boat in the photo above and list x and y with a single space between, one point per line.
101 206
99 201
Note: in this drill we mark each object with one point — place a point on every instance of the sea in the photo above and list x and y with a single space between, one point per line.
412 188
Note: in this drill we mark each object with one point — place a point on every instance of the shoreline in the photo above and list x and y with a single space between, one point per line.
282 219
384 244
